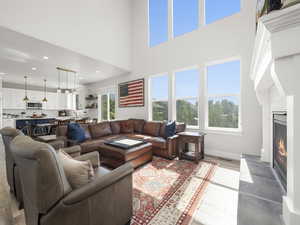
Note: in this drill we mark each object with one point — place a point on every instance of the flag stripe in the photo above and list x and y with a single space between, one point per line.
132 93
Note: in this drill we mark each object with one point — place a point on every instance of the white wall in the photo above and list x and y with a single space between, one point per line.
100 29
227 38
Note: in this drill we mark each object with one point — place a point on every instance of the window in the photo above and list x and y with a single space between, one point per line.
185 16
187 92
218 9
223 90
159 97
108 106
158 22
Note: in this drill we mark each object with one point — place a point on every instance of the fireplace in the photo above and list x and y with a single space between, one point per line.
280 146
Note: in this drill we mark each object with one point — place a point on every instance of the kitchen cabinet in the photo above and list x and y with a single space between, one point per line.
13 98
52 103
9 123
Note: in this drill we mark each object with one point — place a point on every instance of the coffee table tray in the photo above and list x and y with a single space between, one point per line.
125 143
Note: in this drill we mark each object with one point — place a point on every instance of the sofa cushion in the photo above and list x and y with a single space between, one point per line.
162 131
126 127
100 129
62 131
138 125
152 128
78 173
159 142
115 127
76 132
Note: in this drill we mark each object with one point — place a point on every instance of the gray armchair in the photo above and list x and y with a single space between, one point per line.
12 173
49 199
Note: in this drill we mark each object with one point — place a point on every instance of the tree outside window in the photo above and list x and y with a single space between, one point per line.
187 95
223 91
108 106
159 97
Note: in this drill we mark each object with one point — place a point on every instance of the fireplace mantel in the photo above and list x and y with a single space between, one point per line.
276 66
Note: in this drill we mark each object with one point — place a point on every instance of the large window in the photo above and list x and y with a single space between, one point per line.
187 92
185 16
218 9
159 97
158 22
108 106
223 91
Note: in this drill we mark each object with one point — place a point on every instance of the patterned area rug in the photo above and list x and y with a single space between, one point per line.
167 192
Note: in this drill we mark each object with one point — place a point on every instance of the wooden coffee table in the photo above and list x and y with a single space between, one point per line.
114 157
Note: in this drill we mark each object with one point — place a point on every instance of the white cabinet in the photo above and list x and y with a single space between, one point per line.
52 103
13 98
9 123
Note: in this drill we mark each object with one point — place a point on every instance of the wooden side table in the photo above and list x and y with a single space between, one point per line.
196 138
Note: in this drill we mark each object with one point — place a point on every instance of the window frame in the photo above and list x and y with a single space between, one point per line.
108 105
150 101
207 96
231 15
174 102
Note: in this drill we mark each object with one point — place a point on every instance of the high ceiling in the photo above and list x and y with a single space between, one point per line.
20 53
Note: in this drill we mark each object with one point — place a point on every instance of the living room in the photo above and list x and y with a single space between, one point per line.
179 102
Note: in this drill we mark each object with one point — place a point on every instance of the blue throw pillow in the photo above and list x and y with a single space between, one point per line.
76 132
170 129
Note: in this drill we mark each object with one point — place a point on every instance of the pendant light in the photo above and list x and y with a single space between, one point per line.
45 91
25 99
67 90
58 86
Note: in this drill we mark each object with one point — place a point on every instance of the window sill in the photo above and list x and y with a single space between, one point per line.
233 132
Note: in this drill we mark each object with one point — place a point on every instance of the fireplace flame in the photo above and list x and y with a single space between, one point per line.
281 148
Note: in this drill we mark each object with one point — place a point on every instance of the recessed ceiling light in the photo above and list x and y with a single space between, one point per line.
45 57
97 71
2 73
33 68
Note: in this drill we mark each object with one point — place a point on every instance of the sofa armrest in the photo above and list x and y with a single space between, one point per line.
99 184
73 151
92 156
172 137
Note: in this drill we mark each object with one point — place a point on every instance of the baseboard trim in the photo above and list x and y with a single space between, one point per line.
223 154
290 217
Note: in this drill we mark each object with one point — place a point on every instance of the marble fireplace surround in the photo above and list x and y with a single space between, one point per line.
275 71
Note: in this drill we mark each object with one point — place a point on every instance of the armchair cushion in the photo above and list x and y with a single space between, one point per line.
93 157
78 173
76 132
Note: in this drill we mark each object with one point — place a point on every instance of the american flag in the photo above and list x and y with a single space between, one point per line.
131 93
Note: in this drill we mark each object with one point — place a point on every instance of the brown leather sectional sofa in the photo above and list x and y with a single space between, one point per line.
153 132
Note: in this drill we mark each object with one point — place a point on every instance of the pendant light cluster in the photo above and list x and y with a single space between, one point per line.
67 88
26 99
